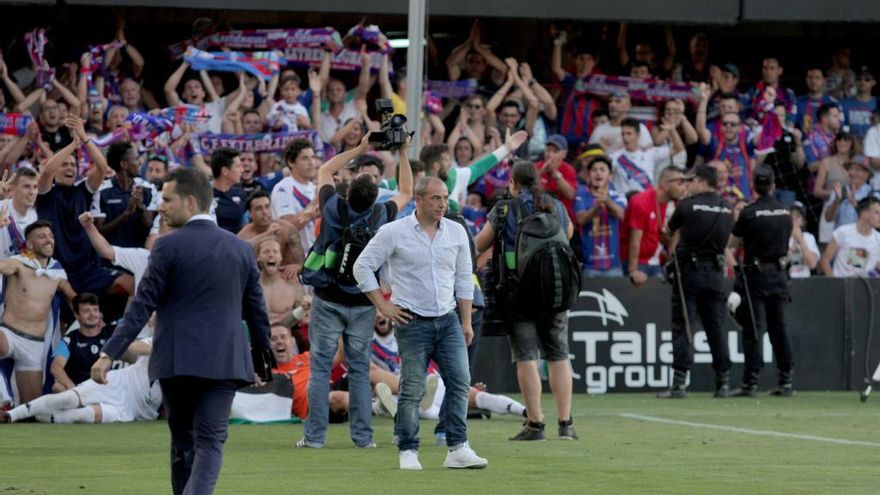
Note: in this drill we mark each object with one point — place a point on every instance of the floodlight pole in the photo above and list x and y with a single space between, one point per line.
415 69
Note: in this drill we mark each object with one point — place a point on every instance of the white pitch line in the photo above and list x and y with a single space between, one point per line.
748 431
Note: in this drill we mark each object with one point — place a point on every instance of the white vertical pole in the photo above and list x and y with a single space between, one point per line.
415 69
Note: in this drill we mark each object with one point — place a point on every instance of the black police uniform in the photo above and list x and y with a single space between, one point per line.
704 221
762 282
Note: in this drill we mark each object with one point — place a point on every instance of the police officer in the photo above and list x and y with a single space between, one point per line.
700 229
762 283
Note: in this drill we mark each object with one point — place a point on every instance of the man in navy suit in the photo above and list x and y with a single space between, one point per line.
202 281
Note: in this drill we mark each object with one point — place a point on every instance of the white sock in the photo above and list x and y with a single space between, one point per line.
78 415
498 404
45 405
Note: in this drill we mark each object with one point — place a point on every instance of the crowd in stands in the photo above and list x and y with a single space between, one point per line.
604 132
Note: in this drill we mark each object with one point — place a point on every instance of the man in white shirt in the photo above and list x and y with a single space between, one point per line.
636 167
17 211
429 263
855 248
608 135
291 198
871 146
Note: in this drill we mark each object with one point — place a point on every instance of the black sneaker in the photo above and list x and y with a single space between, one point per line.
673 393
532 431
746 390
722 392
566 430
783 391
5 417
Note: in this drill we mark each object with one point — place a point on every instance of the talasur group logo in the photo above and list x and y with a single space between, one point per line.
609 308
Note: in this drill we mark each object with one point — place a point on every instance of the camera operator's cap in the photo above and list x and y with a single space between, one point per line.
559 141
366 159
764 175
865 71
731 69
797 205
591 151
703 171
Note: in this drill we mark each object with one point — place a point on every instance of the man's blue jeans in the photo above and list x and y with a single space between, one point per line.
354 324
418 342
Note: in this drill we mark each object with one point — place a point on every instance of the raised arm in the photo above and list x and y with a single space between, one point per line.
210 90
384 78
315 108
324 69
171 96
501 94
405 181
99 242
456 57
556 56
67 94
14 91
50 167
622 53
364 79
702 130
543 96
37 95
335 164
99 167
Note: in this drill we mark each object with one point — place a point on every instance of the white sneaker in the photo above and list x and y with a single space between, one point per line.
409 460
386 398
430 392
464 457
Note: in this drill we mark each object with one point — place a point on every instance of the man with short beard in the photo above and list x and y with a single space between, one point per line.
61 200
31 282
285 298
263 227
17 212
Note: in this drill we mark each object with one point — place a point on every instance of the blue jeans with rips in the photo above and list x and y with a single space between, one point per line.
354 324
418 342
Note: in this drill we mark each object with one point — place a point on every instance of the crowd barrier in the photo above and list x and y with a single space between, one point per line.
620 339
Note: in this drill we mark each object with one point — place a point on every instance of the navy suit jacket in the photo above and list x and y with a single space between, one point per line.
202 281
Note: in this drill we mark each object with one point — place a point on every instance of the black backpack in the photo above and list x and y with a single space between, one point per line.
355 238
547 272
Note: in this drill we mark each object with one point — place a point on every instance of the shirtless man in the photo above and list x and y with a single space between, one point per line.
285 299
263 227
31 282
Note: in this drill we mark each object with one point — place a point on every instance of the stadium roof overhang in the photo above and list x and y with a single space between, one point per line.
666 11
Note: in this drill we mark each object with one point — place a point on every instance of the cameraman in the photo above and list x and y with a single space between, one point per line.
528 334
339 309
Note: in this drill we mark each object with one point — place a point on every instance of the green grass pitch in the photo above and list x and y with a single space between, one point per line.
768 445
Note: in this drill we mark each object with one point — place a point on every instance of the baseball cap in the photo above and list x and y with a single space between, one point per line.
797 205
590 151
732 69
859 161
764 175
559 141
703 171
865 72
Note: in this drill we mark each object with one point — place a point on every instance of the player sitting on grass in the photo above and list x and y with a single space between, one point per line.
128 396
